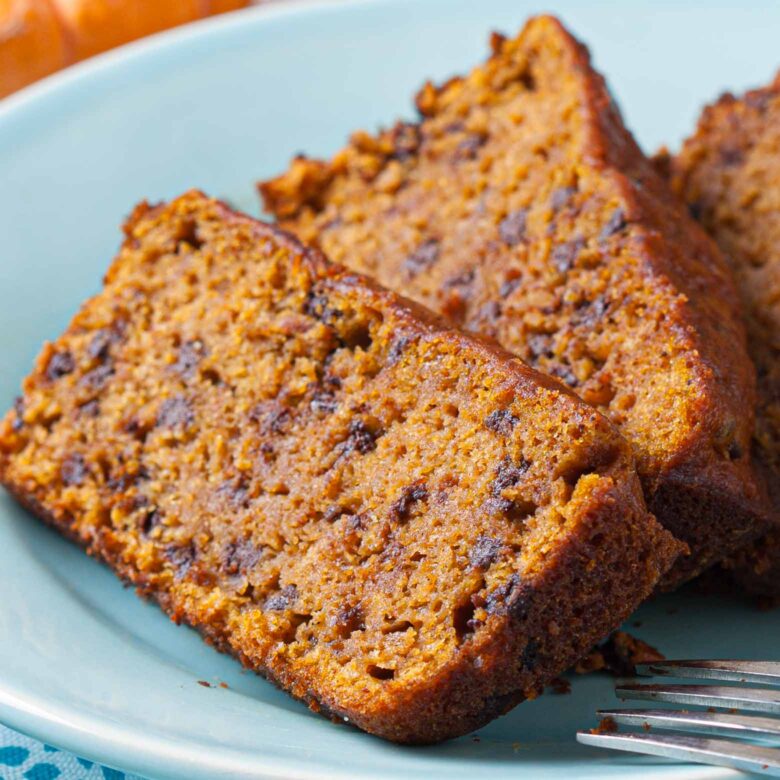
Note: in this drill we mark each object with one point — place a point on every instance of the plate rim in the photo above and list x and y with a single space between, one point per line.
87 735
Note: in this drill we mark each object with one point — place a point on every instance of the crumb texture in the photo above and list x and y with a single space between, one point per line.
401 525
728 173
519 207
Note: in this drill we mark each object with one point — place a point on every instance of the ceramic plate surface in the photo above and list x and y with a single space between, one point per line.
84 664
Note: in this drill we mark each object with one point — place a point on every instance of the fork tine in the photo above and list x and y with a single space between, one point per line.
728 696
722 723
767 672
721 752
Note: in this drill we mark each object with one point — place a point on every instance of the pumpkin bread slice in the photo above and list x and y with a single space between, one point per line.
728 173
401 525
520 207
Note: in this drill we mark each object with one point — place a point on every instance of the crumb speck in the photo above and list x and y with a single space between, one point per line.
560 686
619 655
606 726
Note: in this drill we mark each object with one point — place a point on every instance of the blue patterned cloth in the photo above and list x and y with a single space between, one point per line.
24 758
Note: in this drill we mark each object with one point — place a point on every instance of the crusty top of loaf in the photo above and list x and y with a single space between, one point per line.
520 207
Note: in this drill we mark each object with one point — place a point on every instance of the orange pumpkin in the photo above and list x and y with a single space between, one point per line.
37 37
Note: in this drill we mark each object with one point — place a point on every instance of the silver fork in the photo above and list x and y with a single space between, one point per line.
746 756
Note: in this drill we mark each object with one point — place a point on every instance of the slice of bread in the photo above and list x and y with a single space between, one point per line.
728 173
521 208
402 525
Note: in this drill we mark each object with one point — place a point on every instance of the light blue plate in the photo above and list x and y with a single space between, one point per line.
84 664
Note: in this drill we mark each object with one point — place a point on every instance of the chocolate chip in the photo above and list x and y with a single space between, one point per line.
235 492
18 421
758 99
511 598
240 556
273 417
484 552
508 474
540 345
564 373
498 505
317 305
463 279
331 381
398 348
182 557
334 512
590 313
423 257
615 224
100 344
489 313
189 356
348 620
97 377
508 286
323 402
282 600
468 148
401 507
138 429
118 483
560 197
600 306
352 529
60 364
406 138
358 522
73 470
501 421
497 599
565 255
731 156
360 438
90 408
511 229
175 412
139 500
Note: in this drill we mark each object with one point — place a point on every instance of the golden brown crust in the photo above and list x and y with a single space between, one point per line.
727 174
399 524
521 208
